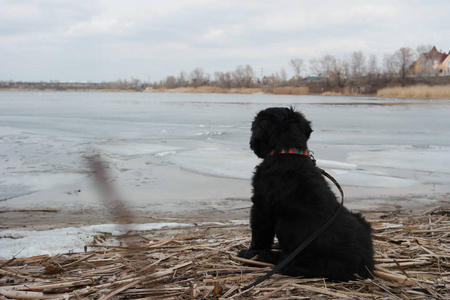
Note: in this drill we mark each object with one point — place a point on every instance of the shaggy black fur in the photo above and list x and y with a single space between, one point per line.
292 200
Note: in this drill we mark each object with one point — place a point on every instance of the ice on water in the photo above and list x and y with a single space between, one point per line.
429 159
63 240
165 149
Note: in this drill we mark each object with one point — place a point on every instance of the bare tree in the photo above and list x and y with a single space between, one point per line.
334 70
223 80
135 82
243 76
238 76
372 67
282 76
198 77
323 66
171 82
248 76
339 71
297 65
357 65
405 57
399 62
390 66
315 67
182 79
423 49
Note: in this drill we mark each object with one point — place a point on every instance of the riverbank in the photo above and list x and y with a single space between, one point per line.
416 92
46 218
288 90
198 261
190 90
67 90
29 232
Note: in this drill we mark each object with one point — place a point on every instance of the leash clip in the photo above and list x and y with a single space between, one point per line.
311 155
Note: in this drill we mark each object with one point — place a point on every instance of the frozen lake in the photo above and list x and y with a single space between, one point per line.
180 153
366 142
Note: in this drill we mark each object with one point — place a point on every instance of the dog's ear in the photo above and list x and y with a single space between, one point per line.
259 138
259 141
303 124
307 130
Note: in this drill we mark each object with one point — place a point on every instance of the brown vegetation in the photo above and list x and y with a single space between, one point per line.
420 90
288 90
412 262
417 91
291 90
206 90
353 74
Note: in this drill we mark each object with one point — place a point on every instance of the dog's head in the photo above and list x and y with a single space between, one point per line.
278 127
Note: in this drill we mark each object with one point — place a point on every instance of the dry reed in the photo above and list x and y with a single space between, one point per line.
207 90
417 91
291 90
412 255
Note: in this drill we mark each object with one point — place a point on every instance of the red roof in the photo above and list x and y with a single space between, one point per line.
435 55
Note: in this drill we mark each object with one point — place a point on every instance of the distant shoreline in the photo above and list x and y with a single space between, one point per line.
65 90
418 91
194 90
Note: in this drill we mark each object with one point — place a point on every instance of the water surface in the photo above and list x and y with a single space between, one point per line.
384 144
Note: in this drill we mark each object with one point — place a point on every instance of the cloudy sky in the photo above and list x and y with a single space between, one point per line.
106 40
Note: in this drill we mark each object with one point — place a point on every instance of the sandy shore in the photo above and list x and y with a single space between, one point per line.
221 211
50 219
178 196
192 262
66 218
159 192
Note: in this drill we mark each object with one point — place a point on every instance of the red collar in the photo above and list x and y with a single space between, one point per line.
306 152
293 151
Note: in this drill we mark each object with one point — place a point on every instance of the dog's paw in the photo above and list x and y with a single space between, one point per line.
268 256
248 254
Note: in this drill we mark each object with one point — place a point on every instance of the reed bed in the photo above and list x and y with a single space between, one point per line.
291 90
412 255
288 90
207 90
416 91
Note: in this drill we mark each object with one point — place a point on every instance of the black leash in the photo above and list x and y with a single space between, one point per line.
310 239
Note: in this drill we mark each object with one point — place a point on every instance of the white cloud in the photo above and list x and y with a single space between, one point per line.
155 37
213 36
100 26
11 11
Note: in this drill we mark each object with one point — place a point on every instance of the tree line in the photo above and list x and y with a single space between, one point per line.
354 73
319 74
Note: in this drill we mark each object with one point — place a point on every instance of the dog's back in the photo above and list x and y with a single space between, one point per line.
301 201
292 200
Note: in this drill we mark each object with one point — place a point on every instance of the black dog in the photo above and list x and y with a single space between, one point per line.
292 200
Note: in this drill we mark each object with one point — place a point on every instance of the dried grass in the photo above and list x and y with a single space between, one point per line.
417 91
290 90
346 91
207 90
412 255
332 94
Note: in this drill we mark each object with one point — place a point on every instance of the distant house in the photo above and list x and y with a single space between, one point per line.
444 67
432 63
